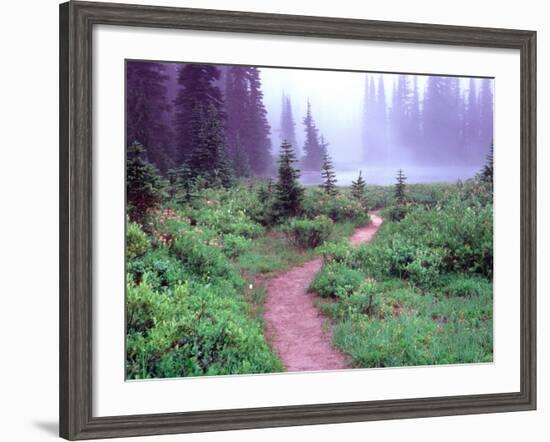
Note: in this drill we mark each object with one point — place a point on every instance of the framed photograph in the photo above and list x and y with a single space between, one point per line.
271 220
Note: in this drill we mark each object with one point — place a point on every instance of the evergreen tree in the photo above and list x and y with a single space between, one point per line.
236 108
442 126
375 124
246 127
143 184
207 158
485 115
405 113
436 111
381 117
400 187
329 177
398 111
288 191
263 193
220 169
198 93
147 111
241 164
415 117
313 153
324 146
288 126
486 174
259 149
181 183
358 188
368 107
471 120
455 126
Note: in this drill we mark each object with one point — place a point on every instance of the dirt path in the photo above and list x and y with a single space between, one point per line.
294 327
365 234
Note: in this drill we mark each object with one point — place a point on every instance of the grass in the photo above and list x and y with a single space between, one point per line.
419 294
414 328
273 253
342 230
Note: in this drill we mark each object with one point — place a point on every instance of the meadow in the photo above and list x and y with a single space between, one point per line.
199 259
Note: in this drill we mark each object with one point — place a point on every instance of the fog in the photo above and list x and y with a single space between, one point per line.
448 149
435 128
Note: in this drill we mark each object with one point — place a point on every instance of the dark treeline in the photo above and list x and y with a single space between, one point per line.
210 121
149 111
443 124
215 126
288 125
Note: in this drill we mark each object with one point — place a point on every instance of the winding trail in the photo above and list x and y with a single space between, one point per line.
293 326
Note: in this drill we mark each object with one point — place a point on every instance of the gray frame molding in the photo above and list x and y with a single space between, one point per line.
76 22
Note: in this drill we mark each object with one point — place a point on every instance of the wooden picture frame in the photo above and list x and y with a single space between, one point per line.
76 243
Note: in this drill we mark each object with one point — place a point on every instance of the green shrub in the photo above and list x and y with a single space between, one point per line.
341 207
235 245
467 286
228 220
396 213
410 339
163 270
200 259
144 186
424 269
419 293
336 280
339 252
137 242
193 330
428 243
308 233
365 300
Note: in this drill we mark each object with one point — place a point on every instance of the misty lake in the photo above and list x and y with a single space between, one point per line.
386 175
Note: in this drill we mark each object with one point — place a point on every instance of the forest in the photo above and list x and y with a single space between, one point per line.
236 265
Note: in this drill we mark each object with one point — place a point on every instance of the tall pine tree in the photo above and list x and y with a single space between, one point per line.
375 122
400 187
486 174
485 115
328 175
368 114
359 188
236 96
415 134
288 192
208 158
246 127
442 138
471 120
259 149
288 126
147 111
313 151
198 93
143 184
